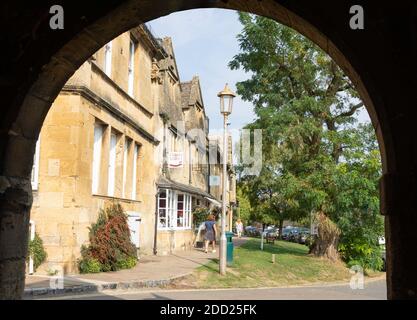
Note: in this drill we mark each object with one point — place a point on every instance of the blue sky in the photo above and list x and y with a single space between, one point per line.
205 41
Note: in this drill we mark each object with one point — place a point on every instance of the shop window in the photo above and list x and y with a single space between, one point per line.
174 210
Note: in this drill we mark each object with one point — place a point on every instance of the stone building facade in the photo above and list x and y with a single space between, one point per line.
123 129
216 170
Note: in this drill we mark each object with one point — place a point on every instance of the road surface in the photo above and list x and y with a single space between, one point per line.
373 290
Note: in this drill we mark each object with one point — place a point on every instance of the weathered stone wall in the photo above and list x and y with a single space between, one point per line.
172 241
64 206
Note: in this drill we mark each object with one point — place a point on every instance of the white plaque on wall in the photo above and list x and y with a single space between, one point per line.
175 160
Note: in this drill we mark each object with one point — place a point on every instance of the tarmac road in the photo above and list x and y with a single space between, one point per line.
373 290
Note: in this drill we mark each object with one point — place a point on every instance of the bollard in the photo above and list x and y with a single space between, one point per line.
273 258
262 241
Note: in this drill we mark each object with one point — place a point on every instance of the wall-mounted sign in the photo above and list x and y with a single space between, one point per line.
175 160
214 180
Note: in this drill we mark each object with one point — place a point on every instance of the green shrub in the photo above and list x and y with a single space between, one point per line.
359 245
89 265
127 263
37 251
110 243
362 253
200 215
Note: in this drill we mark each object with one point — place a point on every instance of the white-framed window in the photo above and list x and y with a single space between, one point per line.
108 58
98 143
126 147
163 208
180 210
134 171
187 220
112 165
131 69
174 210
35 168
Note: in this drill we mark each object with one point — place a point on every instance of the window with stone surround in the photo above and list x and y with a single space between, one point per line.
108 58
131 68
174 210
135 171
97 159
114 162
126 163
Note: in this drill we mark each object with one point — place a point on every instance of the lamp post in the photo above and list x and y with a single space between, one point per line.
226 103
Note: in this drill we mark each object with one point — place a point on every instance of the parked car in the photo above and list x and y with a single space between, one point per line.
271 231
248 230
286 234
294 233
302 237
252 231
293 237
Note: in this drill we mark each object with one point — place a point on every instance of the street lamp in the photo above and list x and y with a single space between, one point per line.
226 104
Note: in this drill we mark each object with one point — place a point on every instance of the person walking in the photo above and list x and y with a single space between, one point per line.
211 232
239 228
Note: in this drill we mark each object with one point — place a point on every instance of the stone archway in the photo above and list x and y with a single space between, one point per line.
41 60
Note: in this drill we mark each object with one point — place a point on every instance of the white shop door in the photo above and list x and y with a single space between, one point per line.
133 220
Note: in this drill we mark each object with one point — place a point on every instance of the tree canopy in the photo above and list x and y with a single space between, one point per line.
316 157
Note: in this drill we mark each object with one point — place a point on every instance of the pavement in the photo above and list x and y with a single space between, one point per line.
373 290
151 271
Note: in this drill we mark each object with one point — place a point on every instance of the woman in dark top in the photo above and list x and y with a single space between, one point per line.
211 232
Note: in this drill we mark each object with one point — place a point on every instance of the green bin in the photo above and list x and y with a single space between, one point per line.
229 252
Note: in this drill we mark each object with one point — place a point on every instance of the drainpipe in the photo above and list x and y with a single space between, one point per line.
155 237
208 167
193 142
165 120
189 162
165 155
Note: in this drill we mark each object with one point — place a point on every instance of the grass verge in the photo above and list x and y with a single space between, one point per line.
253 267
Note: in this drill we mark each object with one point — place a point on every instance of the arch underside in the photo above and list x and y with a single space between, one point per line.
41 61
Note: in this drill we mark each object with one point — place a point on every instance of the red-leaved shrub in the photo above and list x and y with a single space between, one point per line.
110 243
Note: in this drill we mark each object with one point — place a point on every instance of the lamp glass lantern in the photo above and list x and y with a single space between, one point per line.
226 100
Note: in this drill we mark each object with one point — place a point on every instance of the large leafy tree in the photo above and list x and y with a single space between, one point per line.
245 208
356 201
307 110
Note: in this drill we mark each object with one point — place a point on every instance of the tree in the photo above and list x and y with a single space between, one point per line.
357 204
307 109
274 193
245 208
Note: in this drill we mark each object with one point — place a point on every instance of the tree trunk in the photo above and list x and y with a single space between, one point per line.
281 223
325 245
